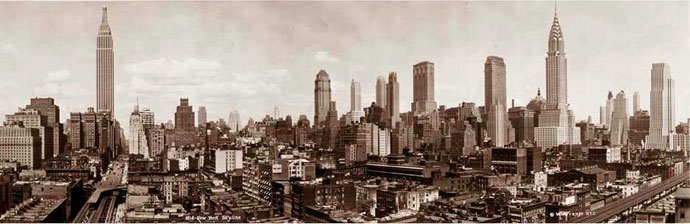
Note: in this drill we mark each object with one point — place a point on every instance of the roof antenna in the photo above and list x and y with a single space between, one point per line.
555 7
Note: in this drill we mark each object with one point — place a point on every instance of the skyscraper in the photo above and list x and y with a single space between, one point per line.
185 132
609 110
47 107
105 92
636 102
556 121
393 99
322 97
660 107
148 118
276 112
356 101
619 122
495 99
381 91
556 67
602 115
423 88
201 116
137 135
184 116
234 121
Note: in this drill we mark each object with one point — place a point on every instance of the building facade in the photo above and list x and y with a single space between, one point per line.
322 97
105 69
423 88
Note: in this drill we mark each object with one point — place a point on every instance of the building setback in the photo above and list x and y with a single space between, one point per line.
660 107
46 107
495 99
556 121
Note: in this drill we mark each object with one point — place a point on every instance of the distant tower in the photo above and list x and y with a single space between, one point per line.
137 134
276 112
393 99
356 101
423 88
636 102
495 99
609 110
234 121
201 116
322 97
660 107
619 124
105 90
602 115
184 116
556 67
381 91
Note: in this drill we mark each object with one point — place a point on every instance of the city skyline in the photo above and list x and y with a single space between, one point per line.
144 137
199 77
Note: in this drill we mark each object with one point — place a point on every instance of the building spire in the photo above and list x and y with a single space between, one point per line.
104 20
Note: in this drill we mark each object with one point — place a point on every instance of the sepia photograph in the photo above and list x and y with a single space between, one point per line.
345 111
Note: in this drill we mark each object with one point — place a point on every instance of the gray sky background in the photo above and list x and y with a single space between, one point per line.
253 56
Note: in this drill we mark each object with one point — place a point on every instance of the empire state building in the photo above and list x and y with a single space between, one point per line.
105 92
556 121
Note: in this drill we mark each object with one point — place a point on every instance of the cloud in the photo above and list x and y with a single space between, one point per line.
59 84
8 49
325 56
58 76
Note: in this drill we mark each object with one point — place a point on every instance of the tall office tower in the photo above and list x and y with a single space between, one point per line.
148 118
393 99
602 115
639 128
156 139
90 128
322 98
356 101
137 135
381 91
495 99
555 126
105 72
660 107
276 112
609 110
423 88
619 124
47 107
636 102
30 118
184 116
234 121
201 116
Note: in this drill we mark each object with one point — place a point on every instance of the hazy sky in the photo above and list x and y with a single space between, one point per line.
253 56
